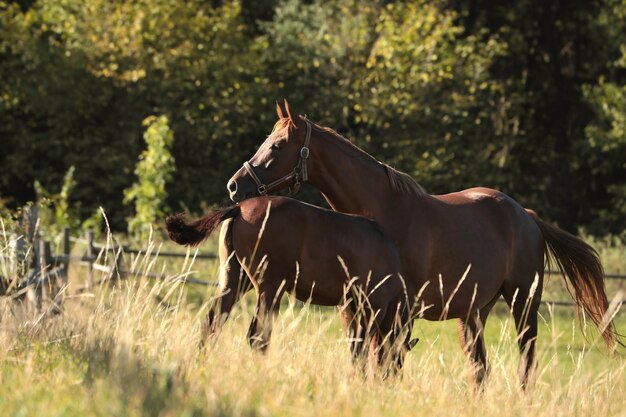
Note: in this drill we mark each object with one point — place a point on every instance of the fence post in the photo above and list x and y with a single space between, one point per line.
34 287
59 286
17 265
89 236
46 280
44 258
16 259
66 250
30 218
117 271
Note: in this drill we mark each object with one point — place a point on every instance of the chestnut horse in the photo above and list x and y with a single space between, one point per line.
462 251
325 257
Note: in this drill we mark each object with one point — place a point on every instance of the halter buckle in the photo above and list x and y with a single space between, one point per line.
262 189
304 152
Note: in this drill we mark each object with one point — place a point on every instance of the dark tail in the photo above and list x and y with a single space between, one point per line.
581 264
195 232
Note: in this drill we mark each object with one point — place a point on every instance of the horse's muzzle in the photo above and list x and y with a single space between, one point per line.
238 193
232 189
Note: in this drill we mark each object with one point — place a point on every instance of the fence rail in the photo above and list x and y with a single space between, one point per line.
606 275
46 268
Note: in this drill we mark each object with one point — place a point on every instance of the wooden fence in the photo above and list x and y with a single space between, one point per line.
48 271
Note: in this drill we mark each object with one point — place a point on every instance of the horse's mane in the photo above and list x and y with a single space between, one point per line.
400 181
281 124
403 182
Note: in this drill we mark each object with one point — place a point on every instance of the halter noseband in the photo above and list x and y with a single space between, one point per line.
299 172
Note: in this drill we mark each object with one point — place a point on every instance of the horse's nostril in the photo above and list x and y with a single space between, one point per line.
232 186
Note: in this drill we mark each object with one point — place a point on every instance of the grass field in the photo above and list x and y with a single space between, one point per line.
117 351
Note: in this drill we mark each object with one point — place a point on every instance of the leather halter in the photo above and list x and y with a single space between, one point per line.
299 172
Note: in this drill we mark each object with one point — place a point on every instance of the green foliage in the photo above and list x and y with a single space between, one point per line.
153 171
55 211
553 49
398 79
607 140
431 98
607 134
96 223
79 77
524 96
9 221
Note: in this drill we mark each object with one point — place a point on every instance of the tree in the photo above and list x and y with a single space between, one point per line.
78 77
606 137
398 79
524 96
153 171
553 50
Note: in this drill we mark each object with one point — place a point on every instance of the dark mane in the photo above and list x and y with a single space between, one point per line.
403 182
400 181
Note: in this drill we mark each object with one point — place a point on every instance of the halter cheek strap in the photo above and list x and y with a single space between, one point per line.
299 173
262 188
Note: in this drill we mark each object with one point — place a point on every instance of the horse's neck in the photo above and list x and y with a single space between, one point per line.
351 180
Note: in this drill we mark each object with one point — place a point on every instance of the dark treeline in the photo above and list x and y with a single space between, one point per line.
527 97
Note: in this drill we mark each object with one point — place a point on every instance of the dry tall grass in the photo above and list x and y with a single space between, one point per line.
124 351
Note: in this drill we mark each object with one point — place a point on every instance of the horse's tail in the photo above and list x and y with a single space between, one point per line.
581 264
195 232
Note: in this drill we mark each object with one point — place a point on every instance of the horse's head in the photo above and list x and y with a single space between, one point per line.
280 161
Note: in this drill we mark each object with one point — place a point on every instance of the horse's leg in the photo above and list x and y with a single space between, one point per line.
473 344
403 326
384 333
471 336
391 339
354 330
524 301
268 304
233 284
384 340
347 315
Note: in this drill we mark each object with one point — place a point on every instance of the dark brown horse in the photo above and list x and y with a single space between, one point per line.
462 251
324 257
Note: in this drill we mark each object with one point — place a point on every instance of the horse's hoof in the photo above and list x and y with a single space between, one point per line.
411 344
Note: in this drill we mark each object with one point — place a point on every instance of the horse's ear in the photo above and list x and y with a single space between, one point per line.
279 111
293 115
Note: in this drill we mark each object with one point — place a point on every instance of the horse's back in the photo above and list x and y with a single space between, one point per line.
361 243
505 214
295 224
480 208
328 247
486 229
366 252
272 223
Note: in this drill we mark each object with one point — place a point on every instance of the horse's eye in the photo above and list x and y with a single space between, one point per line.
275 147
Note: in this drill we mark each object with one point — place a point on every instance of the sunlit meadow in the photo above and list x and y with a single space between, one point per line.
130 349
